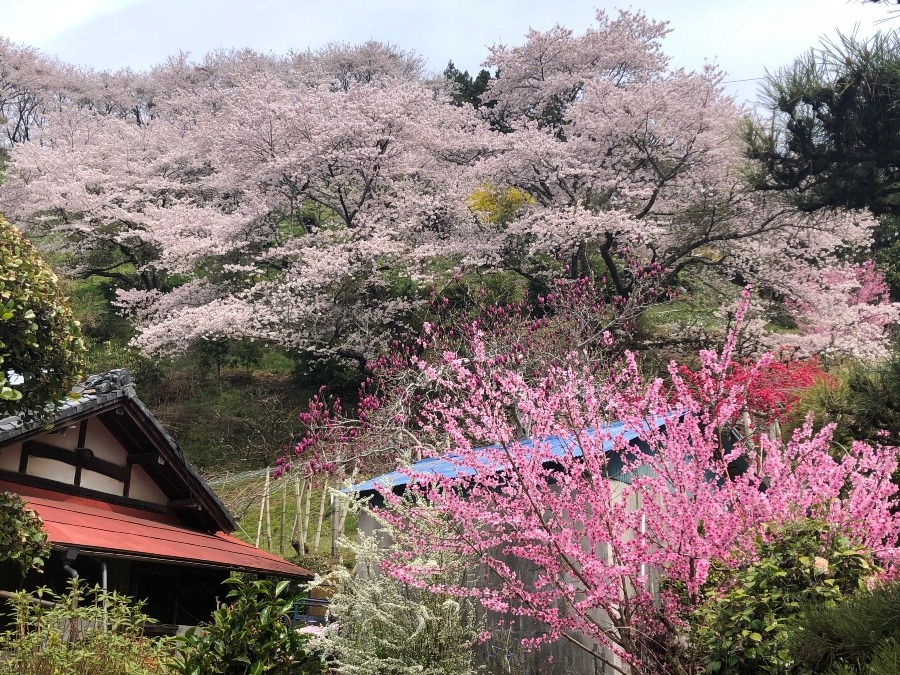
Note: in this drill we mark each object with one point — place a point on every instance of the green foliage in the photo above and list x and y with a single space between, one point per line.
84 633
887 251
250 636
860 636
216 353
745 630
466 89
864 404
834 139
386 627
39 337
22 536
238 421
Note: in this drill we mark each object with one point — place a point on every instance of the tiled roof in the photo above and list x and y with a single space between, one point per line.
93 392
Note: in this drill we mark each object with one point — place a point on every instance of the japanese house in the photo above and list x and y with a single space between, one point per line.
123 508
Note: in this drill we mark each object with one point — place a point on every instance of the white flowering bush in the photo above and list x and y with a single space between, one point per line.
383 626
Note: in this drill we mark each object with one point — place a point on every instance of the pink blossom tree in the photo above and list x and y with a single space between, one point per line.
607 537
384 427
622 154
840 311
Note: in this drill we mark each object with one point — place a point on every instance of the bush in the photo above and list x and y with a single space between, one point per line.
746 628
39 338
84 633
250 636
858 637
22 536
386 627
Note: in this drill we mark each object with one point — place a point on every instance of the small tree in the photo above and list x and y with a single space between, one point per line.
248 637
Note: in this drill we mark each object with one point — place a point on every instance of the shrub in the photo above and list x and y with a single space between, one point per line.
22 536
90 632
39 337
860 636
250 636
386 627
746 628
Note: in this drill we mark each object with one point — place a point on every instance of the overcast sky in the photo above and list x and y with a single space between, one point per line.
745 37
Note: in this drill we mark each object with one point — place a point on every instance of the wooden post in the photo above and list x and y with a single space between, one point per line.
321 517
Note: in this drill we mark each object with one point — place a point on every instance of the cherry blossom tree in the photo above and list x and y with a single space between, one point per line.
307 200
623 155
841 311
313 200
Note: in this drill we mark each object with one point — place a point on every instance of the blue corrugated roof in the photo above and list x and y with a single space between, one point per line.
445 466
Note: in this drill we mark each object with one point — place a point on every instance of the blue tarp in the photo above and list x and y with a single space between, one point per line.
445 465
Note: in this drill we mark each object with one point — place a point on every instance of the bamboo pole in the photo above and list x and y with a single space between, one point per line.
309 486
301 533
268 514
343 510
283 516
295 529
345 506
321 517
333 528
262 510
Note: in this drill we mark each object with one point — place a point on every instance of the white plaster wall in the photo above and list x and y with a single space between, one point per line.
10 456
66 438
143 488
97 481
104 444
51 469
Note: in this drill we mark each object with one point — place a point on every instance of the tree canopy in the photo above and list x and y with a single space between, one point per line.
833 139
316 200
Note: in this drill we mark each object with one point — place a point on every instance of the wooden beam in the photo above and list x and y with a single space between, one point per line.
81 456
76 459
185 505
144 458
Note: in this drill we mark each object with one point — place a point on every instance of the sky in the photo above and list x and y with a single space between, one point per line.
744 37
